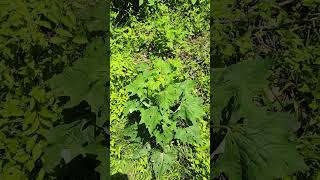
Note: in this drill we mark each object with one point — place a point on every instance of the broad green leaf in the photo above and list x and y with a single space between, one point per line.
256 143
68 21
95 17
102 154
85 80
137 87
168 97
162 162
150 117
188 135
132 132
260 149
191 108
162 67
141 151
65 142
54 13
131 106
165 137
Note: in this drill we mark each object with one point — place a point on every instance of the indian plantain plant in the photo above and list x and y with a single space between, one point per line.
163 111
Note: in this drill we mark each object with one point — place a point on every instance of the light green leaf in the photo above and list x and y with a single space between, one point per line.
162 162
80 39
41 174
46 113
30 143
37 151
44 24
57 40
38 93
21 156
188 135
191 108
150 117
151 2
63 32
29 165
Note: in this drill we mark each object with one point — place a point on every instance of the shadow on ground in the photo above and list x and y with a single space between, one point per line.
119 176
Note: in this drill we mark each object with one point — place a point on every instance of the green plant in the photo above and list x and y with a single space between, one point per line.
287 32
85 134
39 40
256 142
165 30
165 108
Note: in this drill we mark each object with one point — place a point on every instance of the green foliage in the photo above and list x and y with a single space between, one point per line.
174 32
256 144
162 162
38 40
91 70
168 108
158 93
287 32
66 141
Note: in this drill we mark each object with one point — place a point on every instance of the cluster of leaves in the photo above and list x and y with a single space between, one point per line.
165 30
167 108
287 32
255 141
38 40
69 140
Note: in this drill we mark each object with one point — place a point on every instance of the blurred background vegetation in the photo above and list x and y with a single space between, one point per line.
286 31
39 39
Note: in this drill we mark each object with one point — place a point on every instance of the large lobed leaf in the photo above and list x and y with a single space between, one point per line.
68 141
162 161
257 145
85 80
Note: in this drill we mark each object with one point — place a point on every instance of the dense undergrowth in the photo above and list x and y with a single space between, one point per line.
51 126
266 89
160 90
287 34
